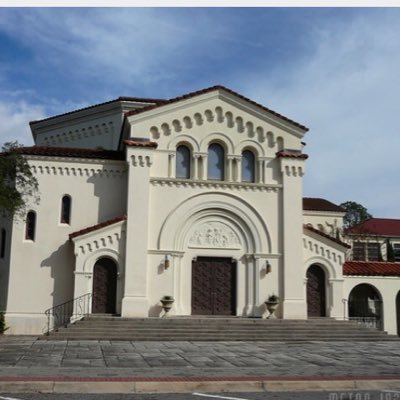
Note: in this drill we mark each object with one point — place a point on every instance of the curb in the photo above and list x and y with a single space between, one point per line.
192 384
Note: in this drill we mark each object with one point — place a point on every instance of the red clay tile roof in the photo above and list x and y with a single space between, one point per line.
291 154
317 204
121 98
323 234
368 268
377 226
97 226
69 152
211 89
140 143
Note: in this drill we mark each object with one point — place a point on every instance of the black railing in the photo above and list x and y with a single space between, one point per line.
369 322
364 312
70 311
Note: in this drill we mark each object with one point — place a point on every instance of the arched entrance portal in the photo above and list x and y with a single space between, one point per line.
365 305
316 292
213 286
398 312
104 286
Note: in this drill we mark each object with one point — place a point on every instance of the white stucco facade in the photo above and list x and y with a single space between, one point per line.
129 206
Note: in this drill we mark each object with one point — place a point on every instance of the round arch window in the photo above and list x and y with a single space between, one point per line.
248 166
216 162
183 162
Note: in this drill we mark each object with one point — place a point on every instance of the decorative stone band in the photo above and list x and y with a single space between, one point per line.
50 169
254 187
291 154
78 134
221 89
140 143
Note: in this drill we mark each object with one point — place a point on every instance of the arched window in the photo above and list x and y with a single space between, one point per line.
65 210
182 162
3 243
248 166
216 162
30 225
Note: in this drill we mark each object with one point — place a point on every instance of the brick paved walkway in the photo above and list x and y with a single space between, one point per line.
27 357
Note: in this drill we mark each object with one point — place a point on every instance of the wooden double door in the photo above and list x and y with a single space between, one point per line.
213 286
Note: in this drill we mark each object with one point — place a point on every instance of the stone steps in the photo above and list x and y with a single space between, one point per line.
106 327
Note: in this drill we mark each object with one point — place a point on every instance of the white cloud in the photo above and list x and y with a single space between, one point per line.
347 93
119 47
344 85
14 117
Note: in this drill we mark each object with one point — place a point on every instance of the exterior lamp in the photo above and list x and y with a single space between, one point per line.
267 267
167 261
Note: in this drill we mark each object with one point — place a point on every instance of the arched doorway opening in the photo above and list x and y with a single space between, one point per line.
365 305
104 286
398 312
316 303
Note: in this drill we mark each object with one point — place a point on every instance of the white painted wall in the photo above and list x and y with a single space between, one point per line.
41 272
255 213
165 215
93 127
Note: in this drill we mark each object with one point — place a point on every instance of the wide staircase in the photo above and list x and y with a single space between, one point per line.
106 327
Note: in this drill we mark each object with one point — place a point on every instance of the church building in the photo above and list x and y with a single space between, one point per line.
199 197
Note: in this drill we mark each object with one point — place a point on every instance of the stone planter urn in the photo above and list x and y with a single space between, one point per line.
272 303
167 302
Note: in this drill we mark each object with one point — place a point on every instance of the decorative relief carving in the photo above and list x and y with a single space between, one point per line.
73 171
111 239
319 249
141 161
293 171
71 136
223 117
254 187
215 235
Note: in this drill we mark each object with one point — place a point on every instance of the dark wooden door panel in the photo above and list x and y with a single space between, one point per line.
202 293
315 292
213 286
104 286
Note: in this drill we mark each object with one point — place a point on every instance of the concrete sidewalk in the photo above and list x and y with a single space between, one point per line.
27 364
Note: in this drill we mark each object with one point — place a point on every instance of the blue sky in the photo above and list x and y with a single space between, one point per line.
336 70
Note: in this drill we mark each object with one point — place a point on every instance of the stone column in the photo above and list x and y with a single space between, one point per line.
238 176
204 172
229 168
256 285
196 158
171 165
335 296
135 301
260 170
250 264
294 302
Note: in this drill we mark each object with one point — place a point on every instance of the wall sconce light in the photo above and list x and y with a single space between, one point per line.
267 267
167 261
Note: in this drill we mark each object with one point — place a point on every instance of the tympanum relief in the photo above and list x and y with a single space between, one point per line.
214 235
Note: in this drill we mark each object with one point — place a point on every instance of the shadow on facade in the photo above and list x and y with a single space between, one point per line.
61 263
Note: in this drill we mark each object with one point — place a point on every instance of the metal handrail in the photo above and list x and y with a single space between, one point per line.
70 311
365 317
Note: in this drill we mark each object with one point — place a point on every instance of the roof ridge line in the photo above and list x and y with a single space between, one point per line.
210 89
